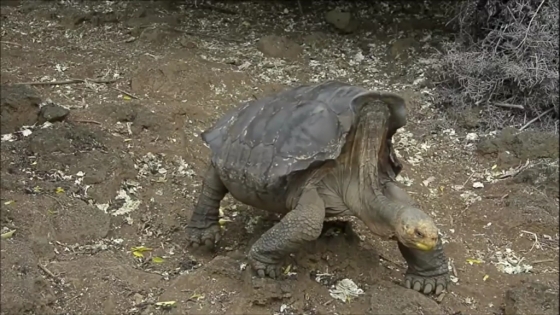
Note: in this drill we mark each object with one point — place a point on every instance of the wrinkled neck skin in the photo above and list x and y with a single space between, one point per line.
358 174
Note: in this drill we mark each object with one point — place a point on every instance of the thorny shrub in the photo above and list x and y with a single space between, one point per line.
504 60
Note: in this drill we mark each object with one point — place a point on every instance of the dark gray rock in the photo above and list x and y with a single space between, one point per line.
531 298
52 113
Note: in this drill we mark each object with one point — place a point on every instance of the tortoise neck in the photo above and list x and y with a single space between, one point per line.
368 145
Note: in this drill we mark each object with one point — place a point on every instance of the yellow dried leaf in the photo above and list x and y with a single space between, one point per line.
140 249
59 190
287 270
473 261
9 202
494 166
223 221
196 297
166 303
37 189
8 234
485 277
137 254
157 260
126 98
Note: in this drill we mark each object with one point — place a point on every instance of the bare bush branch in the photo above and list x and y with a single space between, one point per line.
506 53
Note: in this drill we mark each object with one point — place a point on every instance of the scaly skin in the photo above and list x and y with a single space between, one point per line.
204 228
303 224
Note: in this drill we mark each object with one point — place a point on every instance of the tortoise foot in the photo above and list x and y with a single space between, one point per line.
426 285
265 266
203 237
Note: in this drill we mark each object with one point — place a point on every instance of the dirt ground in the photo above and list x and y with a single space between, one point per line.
99 175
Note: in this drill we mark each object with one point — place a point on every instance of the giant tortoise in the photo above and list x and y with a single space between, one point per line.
311 152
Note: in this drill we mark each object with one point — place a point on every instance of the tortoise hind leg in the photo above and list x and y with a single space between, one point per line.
203 228
302 224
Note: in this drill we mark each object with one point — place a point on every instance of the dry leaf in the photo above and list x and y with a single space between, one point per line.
197 297
287 270
7 234
473 261
157 260
140 249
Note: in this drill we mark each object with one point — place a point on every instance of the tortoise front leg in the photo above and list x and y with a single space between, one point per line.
427 271
302 224
203 228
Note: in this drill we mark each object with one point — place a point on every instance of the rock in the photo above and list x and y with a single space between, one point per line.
279 47
52 113
531 298
389 298
184 42
19 106
343 21
524 145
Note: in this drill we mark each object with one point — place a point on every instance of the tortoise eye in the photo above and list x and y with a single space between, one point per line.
418 234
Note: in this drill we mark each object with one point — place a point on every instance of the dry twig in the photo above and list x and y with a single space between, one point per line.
536 243
48 272
509 105
10 43
86 121
536 118
506 57
126 93
71 81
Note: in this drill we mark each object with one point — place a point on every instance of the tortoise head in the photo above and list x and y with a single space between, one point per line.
415 229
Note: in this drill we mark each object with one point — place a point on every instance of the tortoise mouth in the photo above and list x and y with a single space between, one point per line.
424 246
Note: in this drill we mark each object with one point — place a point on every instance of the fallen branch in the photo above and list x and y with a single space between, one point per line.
71 81
536 118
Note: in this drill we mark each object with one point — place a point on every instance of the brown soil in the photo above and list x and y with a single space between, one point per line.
123 168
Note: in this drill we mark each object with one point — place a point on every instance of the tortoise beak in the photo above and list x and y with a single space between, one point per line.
424 246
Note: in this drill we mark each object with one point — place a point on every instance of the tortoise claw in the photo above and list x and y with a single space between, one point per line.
426 285
271 270
207 237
